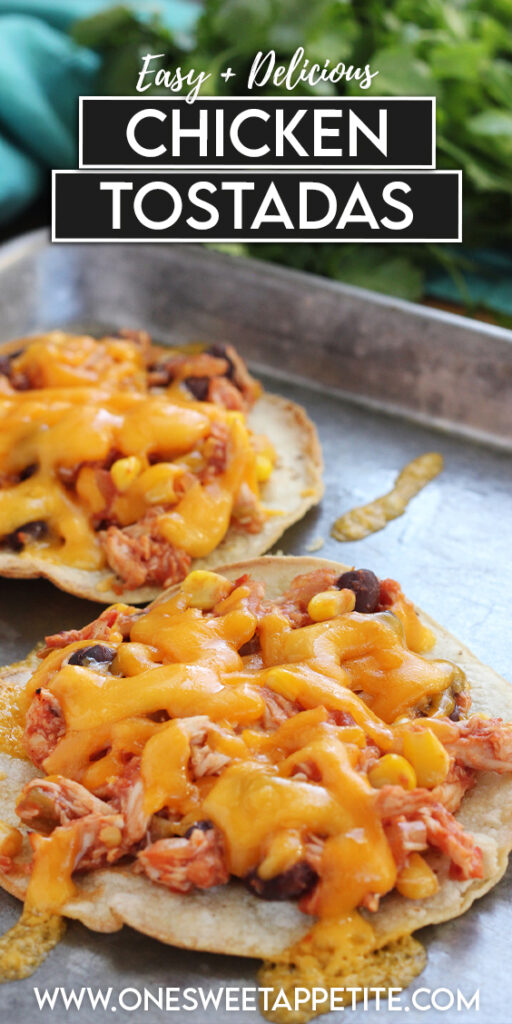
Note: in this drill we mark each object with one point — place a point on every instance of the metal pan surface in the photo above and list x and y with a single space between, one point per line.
384 381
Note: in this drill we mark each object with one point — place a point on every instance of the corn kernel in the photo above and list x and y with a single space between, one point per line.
131 659
111 836
124 472
392 770
234 416
158 483
11 840
204 589
194 461
330 603
428 757
264 468
416 880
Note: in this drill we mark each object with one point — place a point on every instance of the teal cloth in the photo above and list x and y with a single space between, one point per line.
487 283
42 74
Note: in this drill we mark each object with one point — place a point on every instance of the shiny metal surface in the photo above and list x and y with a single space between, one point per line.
451 550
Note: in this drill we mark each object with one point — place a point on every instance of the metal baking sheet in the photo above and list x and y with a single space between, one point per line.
384 381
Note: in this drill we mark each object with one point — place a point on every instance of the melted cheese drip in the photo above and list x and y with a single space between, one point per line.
193 668
336 954
90 403
366 519
24 947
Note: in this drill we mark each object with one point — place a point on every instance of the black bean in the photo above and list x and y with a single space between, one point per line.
97 654
289 885
6 360
219 352
20 382
29 531
251 647
365 585
203 826
102 524
35 530
13 541
98 754
198 386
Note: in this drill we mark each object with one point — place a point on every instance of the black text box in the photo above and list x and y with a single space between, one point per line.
229 206
407 125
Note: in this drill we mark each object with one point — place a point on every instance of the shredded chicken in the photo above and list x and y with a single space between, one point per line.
277 708
205 761
98 840
106 487
45 803
222 392
215 452
307 771
99 629
390 591
248 386
124 793
184 864
442 829
482 743
218 375
368 756
371 902
313 850
255 600
394 801
456 784
44 726
131 804
103 831
405 837
294 603
445 832
247 514
140 555
204 364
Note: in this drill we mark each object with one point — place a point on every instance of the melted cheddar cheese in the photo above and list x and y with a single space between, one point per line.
282 733
86 442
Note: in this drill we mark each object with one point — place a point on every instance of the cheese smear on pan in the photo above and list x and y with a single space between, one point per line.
24 947
366 519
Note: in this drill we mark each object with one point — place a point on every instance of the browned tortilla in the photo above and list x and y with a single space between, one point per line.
230 920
